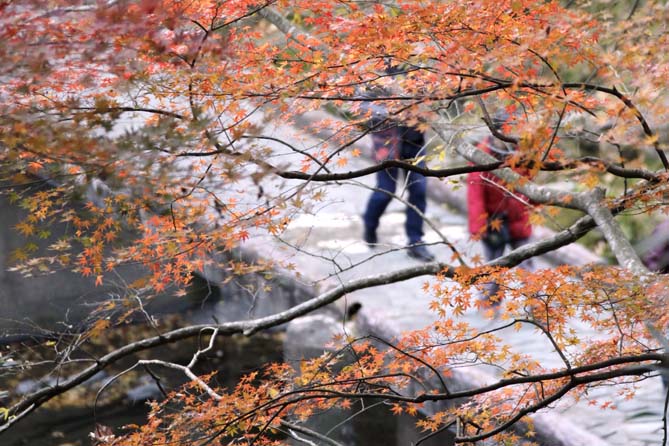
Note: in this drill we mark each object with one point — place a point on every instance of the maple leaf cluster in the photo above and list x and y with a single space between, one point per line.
159 120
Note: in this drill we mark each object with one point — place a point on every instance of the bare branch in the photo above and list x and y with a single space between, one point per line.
621 247
186 371
36 399
590 202
311 433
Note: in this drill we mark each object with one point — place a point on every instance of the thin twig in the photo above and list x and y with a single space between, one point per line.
435 433
311 433
186 371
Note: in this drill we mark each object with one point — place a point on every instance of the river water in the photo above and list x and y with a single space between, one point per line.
70 426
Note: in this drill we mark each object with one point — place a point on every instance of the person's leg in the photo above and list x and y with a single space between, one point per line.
528 265
417 185
491 253
412 144
386 146
378 202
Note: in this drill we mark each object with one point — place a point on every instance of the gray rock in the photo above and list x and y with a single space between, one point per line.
308 336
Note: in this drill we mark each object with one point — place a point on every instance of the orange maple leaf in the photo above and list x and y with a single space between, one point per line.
397 409
496 224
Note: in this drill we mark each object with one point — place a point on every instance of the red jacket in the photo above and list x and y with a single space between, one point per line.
485 199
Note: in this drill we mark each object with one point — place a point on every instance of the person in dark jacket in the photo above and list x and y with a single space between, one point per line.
398 142
393 140
500 218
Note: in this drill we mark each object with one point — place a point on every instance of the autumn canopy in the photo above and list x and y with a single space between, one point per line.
167 111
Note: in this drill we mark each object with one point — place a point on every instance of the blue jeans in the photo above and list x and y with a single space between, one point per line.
493 252
403 143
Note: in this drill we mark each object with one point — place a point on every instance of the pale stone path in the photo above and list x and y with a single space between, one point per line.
326 248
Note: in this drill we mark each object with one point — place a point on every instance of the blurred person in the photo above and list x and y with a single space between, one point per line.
392 140
497 216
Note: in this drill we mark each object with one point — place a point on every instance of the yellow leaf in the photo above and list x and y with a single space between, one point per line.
537 219
140 283
99 326
590 181
652 139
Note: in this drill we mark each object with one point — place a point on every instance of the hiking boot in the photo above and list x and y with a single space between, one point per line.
369 236
420 252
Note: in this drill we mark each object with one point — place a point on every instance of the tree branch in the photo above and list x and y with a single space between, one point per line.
36 399
591 202
620 246
311 433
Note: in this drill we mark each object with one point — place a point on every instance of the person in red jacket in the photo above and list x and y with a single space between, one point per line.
498 216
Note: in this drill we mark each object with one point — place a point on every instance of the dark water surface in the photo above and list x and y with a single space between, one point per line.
70 426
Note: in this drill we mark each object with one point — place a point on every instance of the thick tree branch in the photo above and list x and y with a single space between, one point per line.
613 169
36 399
537 194
387 164
291 31
591 202
155 111
620 246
